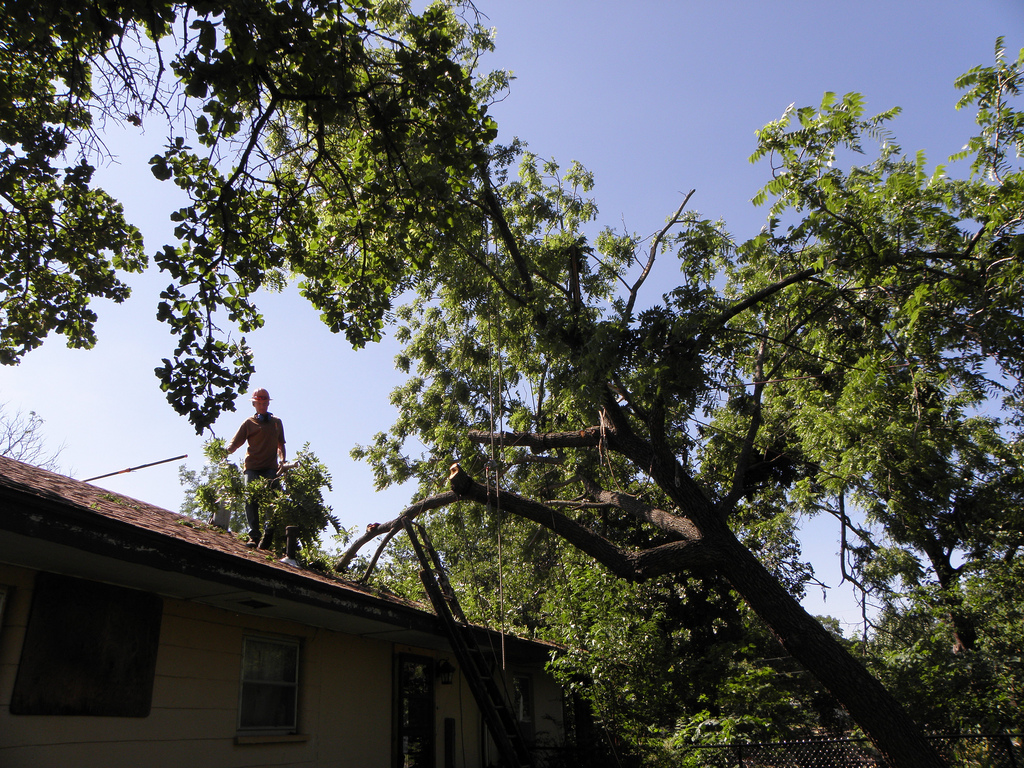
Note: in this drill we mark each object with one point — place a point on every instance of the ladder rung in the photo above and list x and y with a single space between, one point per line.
493 705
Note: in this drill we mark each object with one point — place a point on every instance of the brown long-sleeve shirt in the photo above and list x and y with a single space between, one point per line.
265 439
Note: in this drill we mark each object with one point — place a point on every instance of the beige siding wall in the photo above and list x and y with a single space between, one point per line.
345 708
548 723
456 700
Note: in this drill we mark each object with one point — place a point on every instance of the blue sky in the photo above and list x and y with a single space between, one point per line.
656 98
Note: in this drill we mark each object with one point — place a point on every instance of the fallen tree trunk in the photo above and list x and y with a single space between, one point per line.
708 549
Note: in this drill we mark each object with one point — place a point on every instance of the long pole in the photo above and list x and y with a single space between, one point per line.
132 469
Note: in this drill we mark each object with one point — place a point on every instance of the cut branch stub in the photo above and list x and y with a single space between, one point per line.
458 480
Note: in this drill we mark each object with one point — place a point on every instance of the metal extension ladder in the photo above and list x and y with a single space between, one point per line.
493 705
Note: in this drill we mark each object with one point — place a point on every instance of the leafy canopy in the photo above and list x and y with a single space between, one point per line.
860 358
326 140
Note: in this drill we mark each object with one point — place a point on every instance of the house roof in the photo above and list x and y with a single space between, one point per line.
52 522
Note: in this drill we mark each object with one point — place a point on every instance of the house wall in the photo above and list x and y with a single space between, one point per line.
344 698
548 722
545 732
345 707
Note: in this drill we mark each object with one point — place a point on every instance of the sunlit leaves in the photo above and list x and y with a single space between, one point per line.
63 244
296 500
62 241
1000 145
335 142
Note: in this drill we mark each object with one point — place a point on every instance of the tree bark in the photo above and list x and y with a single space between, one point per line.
691 555
376 529
705 545
872 707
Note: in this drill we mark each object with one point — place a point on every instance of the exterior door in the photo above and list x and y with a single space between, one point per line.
414 715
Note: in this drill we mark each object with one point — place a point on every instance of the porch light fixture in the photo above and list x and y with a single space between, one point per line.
444 671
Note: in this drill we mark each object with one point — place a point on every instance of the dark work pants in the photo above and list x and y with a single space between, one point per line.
252 512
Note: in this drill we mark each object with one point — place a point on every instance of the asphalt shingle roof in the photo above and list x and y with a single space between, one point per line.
41 504
31 482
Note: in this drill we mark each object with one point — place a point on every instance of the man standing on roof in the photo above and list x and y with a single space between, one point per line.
264 434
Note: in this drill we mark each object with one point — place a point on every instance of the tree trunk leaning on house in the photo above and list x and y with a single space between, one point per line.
829 359
376 173
703 551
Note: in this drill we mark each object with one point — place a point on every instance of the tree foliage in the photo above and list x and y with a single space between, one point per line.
296 499
848 357
859 358
952 688
63 242
325 139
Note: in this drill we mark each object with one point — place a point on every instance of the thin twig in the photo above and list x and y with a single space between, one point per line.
653 253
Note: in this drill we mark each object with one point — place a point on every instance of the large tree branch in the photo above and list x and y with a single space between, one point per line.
690 553
494 276
663 467
376 529
497 213
746 451
540 441
666 521
666 470
378 552
753 299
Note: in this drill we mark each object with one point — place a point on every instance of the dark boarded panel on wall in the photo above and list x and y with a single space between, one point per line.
90 649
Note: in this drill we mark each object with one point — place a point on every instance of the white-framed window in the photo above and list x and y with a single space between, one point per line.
522 691
268 701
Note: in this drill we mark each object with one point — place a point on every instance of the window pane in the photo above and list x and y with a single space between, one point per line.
414 720
268 706
265 661
523 692
269 684
416 680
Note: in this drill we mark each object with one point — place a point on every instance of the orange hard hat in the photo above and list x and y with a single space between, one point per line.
261 394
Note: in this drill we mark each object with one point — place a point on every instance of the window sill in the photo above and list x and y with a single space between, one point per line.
271 738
